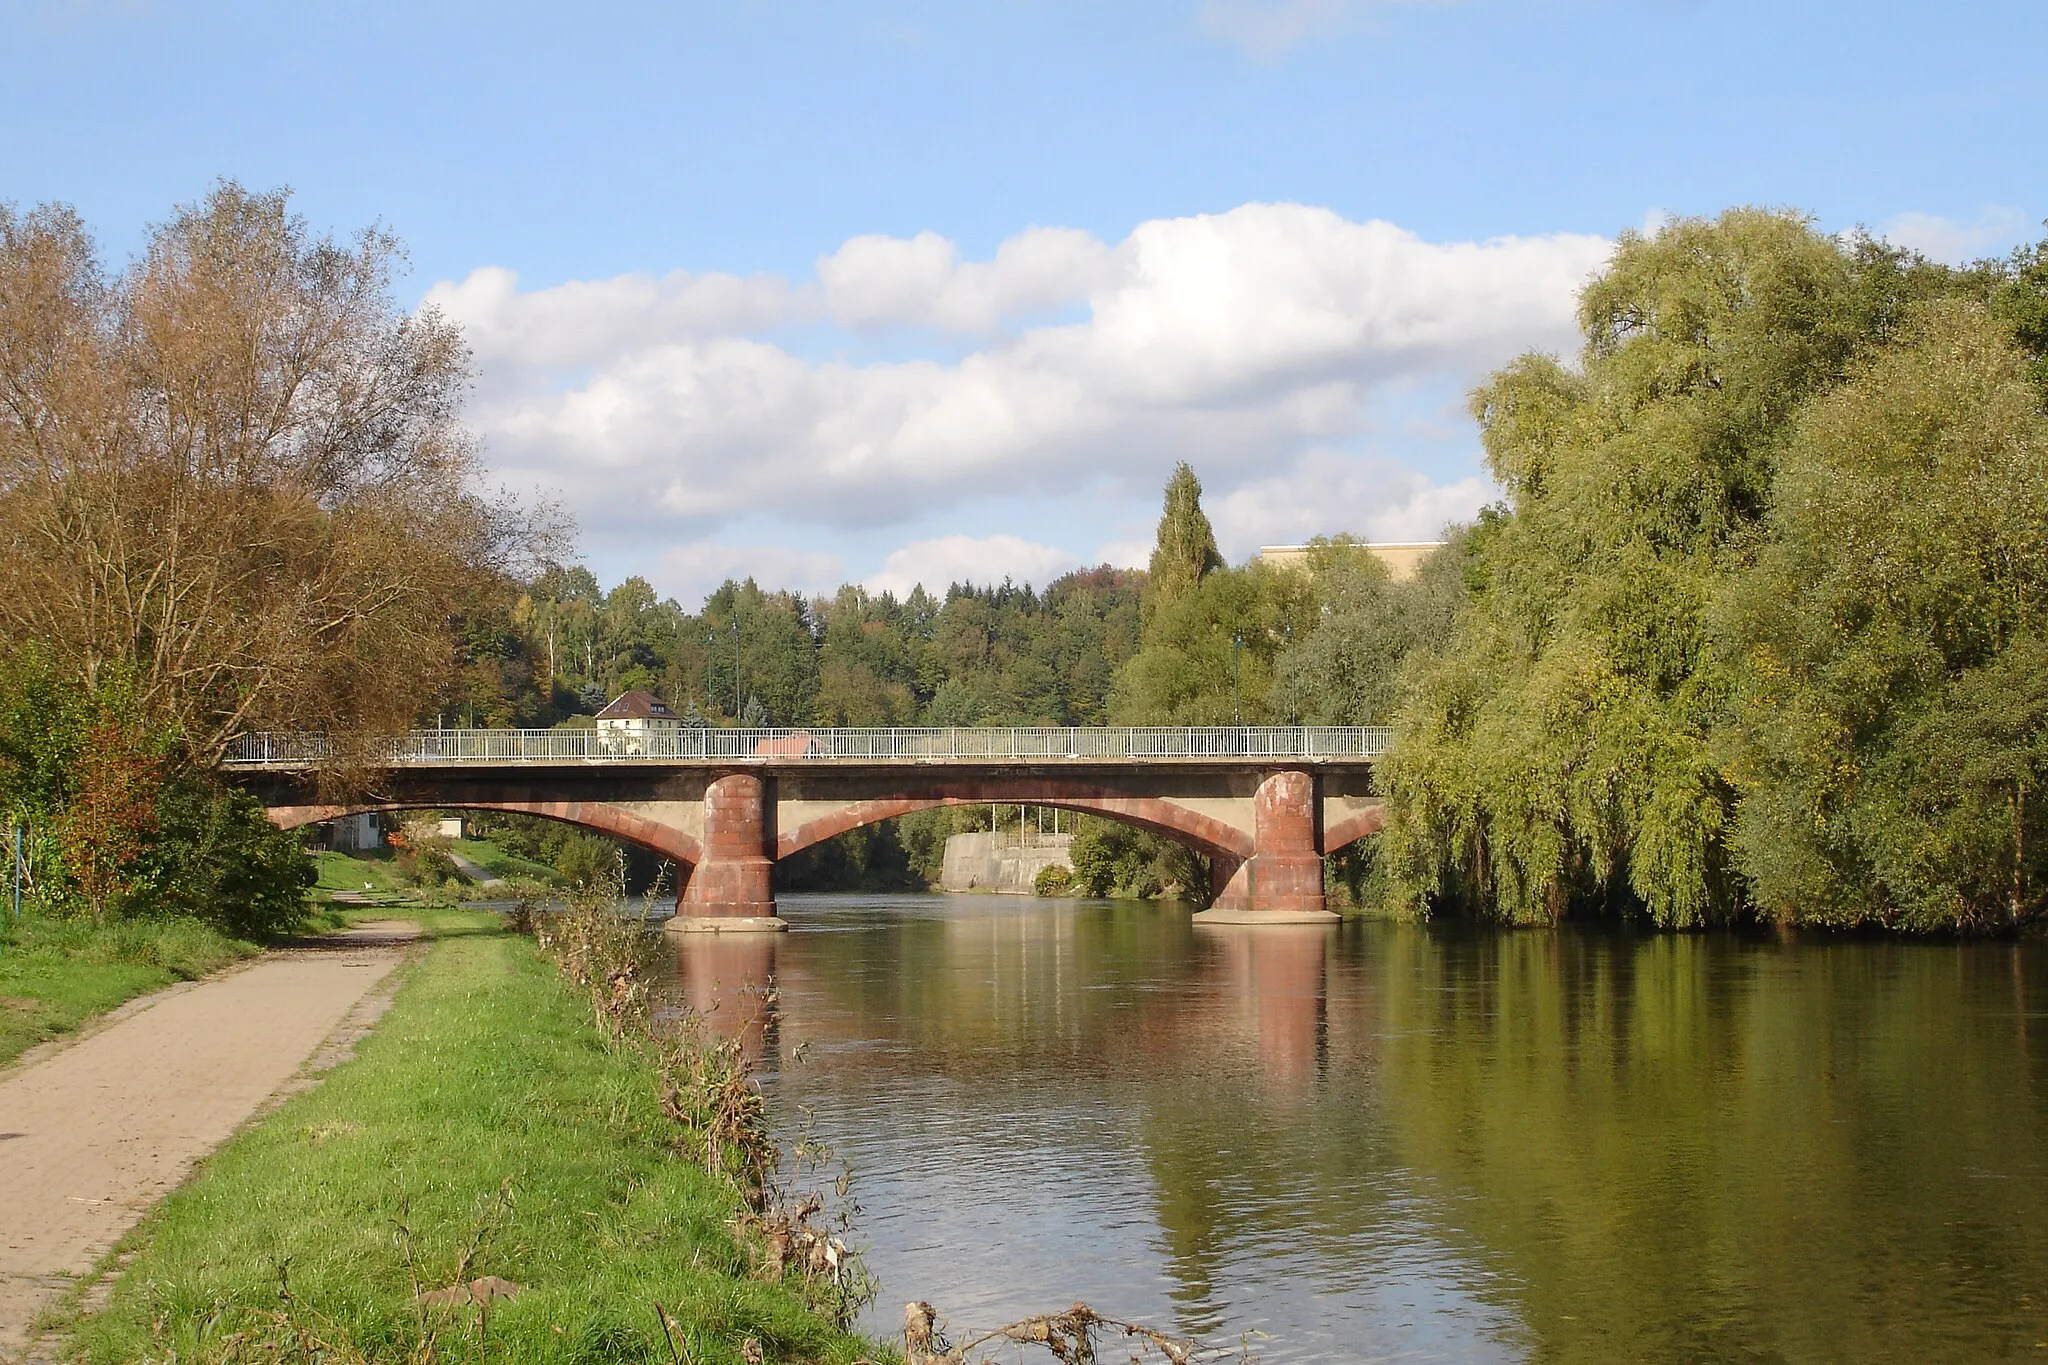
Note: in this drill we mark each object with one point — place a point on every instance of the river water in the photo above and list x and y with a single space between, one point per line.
1384 1142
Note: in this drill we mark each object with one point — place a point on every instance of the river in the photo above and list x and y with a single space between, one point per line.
1386 1142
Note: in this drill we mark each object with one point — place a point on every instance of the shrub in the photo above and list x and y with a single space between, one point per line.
1053 881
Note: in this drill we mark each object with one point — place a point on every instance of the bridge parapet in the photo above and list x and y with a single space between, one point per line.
1309 744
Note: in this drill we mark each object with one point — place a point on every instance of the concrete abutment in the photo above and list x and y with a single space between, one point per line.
731 888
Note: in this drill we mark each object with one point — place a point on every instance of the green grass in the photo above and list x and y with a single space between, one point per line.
499 863
486 1070
56 974
351 871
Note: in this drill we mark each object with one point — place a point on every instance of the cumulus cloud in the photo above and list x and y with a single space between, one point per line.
1951 240
689 573
921 281
1327 492
666 407
1267 345
946 560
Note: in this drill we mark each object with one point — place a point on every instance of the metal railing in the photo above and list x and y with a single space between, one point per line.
782 745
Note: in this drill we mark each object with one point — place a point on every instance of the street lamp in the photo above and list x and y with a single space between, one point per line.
1236 681
1293 676
735 668
710 648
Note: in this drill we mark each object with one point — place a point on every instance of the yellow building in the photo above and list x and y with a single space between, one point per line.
1403 558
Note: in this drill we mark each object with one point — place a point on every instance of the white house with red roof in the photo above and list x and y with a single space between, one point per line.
633 717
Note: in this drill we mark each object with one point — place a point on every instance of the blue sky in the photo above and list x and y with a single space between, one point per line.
778 288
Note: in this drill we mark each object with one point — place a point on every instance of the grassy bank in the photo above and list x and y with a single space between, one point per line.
375 872
487 1074
499 863
55 974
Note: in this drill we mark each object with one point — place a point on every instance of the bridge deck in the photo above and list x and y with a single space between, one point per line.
1095 746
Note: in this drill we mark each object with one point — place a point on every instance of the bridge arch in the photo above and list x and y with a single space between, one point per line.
1359 825
1222 843
604 818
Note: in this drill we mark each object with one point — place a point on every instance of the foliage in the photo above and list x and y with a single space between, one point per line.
485 1066
232 475
1345 671
1753 631
1557 750
1114 859
1185 550
116 828
1053 880
1890 638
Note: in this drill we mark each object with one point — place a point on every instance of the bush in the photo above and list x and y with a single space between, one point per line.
1053 881
427 864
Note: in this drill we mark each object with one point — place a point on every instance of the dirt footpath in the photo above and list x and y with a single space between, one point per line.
94 1132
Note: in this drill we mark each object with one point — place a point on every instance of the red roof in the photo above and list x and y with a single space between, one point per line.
637 706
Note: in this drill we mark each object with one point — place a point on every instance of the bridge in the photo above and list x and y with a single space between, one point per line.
1263 804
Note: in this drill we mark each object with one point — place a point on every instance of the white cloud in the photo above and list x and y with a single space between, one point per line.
947 560
689 573
669 409
1328 493
1127 553
921 281
1947 239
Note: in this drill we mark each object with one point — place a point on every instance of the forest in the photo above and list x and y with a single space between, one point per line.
1754 633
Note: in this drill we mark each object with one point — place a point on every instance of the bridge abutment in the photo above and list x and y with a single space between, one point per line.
731 890
1282 882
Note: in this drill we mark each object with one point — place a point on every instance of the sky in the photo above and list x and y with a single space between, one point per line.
900 292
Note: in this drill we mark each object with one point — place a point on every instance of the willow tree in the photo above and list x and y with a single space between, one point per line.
1891 644
1558 751
233 475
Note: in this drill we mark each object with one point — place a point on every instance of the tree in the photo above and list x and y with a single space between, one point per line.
109 812
1208 657
1184 552
1890 730
1557 752
233 473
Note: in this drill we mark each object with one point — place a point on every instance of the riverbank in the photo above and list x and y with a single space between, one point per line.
56 975
484 1129
100 1129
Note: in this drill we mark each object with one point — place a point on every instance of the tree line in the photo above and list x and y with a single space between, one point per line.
1753 633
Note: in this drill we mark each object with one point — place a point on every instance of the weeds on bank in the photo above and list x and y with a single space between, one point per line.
789 1232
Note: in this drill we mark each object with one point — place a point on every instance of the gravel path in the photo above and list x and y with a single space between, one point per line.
94 1131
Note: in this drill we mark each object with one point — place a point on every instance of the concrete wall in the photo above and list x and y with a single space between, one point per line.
997 862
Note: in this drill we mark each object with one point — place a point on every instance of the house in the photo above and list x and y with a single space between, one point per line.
356 833
626 724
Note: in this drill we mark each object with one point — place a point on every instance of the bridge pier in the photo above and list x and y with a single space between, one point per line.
1282 882
730 888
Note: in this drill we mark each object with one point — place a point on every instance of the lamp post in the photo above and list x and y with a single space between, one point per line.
1236 680
735 667
1293 676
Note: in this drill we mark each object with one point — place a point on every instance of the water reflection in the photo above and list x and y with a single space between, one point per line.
1379 1141
728 982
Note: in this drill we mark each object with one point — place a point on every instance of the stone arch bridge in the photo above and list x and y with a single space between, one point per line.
1263 804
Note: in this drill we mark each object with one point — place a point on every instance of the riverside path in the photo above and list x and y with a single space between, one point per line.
95 1130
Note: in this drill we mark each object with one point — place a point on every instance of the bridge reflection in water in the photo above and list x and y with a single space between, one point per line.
1384 1141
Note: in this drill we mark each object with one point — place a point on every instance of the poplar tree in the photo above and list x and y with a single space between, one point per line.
1185 550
